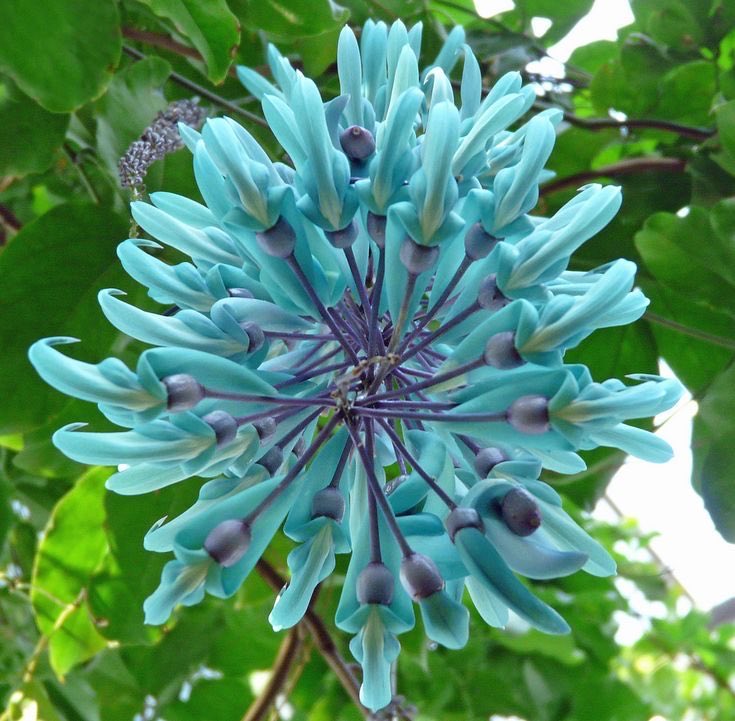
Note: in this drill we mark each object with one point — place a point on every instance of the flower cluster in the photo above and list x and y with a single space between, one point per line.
159 138
367 349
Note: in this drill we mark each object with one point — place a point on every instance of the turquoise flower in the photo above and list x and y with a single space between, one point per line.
366 350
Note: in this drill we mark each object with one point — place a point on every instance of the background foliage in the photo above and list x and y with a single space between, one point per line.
79 81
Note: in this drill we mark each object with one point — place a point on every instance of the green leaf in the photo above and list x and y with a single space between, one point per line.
687 92
224 699
71 549
714 452
29 135
725 115
564 15
671 22
59 53
590 57
128 107
51 271
130 573
684 254
210 26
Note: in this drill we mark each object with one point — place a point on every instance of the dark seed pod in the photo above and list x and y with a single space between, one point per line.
529 414
501 352
255 335
478 243
376 228
520 512
343 238
223 425
328 502
265 427
272 460
240 293
184 392
357 142
489 296
417 258
460 518
375 584
420 576
228 542
487 459
279 240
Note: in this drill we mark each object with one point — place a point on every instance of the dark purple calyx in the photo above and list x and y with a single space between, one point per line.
478 243
184 392
255 335
279 240
489 296
223 425
265 427
376 228
357 142
375 584
420 576
328 502
487 459
418 258
529 414
460 518
272 460
228 542
520 512
501 352
343 238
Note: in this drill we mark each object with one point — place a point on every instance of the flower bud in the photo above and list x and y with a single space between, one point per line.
375 584
478 243
489 296
417 258
279 240
420 576
343 238
501 352
357 142
529 414
328 502
520 512
460 518
223 425
487 459
184 392
376 228
228 542
255 335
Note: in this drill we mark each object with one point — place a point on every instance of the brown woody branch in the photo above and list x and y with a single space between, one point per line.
624 167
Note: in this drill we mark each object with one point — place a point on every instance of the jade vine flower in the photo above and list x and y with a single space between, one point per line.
366 350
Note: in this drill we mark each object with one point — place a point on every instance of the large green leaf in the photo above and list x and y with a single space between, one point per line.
714 452
684 254
129 105
29 135
60 53
73 546
210 26
51 273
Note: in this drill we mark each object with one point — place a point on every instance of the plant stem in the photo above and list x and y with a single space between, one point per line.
614 170
288 653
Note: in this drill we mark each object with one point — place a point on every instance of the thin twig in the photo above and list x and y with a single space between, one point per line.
322 640
692 332
202 91
624 167
287 655
594 124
